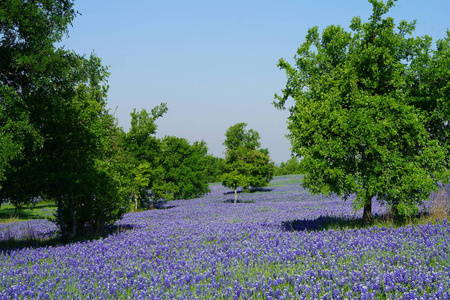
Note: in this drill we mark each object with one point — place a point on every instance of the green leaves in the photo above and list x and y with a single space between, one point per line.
245 165
60 137
183 167
369 115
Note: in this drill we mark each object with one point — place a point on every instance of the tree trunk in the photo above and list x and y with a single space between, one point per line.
367 213
394 211
73 232
62 225
235 195
68 231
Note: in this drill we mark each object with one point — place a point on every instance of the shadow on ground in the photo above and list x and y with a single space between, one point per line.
238 201
321 223
347 222
256 190
13 244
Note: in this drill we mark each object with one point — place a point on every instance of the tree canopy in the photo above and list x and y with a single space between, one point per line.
371 113
53 118
182 168
245 165
289 167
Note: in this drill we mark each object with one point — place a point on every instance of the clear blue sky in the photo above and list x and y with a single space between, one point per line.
214 62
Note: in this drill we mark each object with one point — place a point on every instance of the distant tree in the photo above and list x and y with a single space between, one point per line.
245 164
289 167
182 169
214 168
371 113
54 121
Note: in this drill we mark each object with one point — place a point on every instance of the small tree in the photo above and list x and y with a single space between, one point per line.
371 112
245 164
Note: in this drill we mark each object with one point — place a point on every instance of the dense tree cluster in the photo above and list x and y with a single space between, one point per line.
58 140
292 166
371 113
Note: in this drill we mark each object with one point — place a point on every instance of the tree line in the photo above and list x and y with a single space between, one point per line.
370 117
59 142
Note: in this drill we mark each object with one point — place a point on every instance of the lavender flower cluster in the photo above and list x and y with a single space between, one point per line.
208 248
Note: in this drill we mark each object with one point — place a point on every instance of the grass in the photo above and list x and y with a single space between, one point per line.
42 210
286 179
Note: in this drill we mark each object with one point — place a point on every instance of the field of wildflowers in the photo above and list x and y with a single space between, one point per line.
208 248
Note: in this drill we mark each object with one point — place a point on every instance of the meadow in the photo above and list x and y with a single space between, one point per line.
278 243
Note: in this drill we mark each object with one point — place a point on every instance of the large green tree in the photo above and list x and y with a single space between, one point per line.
371 113
27 34
182 167
59 133
246 164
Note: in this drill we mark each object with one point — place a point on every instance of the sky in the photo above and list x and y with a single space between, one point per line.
214 62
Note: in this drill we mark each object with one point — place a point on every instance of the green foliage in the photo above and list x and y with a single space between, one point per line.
54 120
162 169
143 151
237 136
371 111
245 165
214 168
292 166
182 169
36 210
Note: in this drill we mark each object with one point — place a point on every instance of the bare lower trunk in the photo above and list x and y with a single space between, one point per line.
235 195
61 222
68 230
367 213
73 232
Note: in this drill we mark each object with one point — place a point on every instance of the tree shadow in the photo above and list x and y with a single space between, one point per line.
348 222
255 190
238 201
89 234
6 246
113 229
326 222
261 190
232 192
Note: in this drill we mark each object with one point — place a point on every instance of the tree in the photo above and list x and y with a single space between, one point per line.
289 167
60 98
371 111
182 169
144 151
237 136
27 33
245 164
214 168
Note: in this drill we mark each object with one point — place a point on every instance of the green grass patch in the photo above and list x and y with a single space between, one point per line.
42 210
286 179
